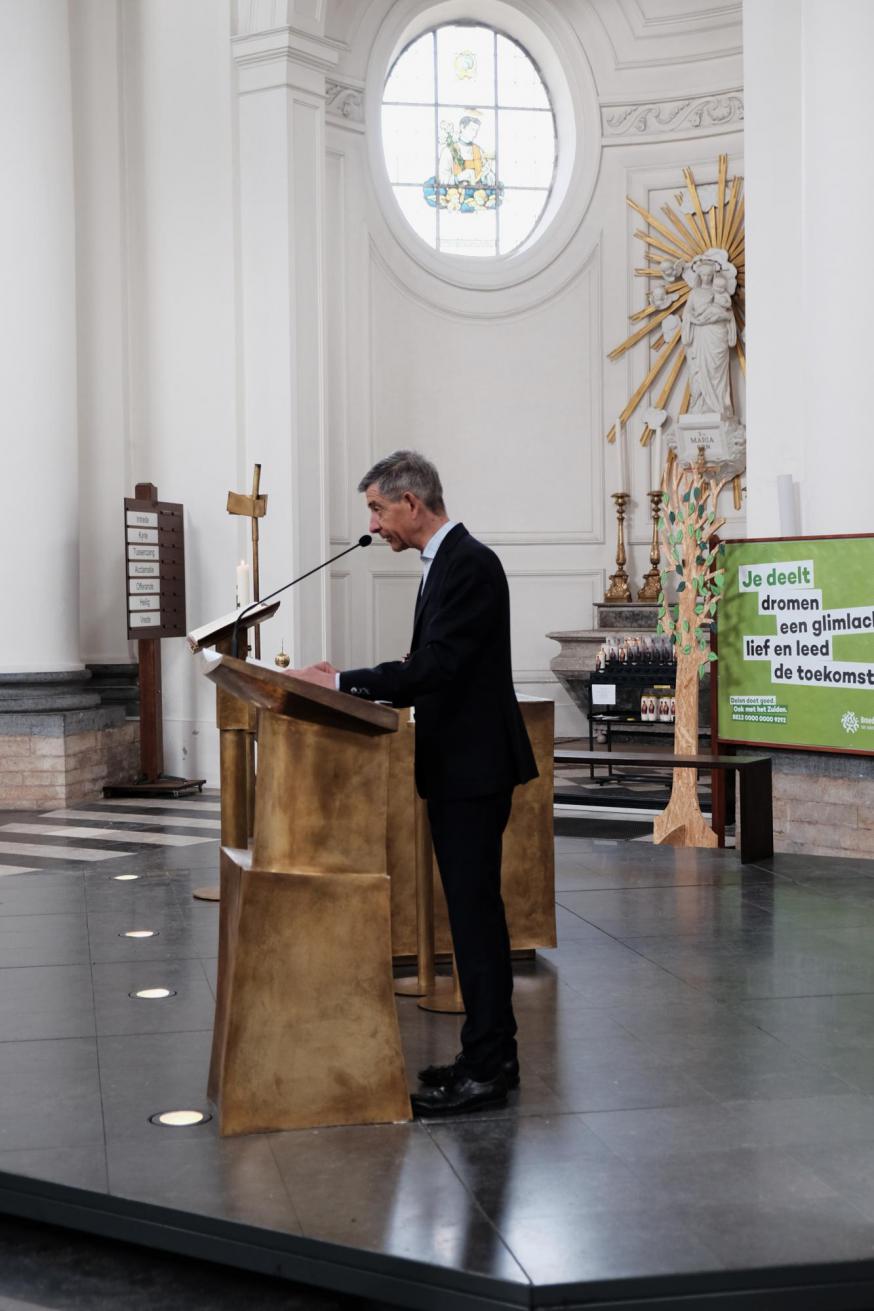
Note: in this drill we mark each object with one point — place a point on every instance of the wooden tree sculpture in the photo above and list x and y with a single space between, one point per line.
688 521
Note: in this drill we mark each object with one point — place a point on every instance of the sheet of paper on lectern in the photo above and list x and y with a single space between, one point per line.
198 637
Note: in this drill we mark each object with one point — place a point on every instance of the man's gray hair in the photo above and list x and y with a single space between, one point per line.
406 471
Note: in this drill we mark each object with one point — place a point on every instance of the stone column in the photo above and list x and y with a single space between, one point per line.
281 84
40 514
52 744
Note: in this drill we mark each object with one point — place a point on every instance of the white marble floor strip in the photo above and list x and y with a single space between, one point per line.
104 834
135 817
153 803
59 853
16 869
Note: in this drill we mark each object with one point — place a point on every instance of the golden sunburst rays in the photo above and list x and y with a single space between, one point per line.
689 230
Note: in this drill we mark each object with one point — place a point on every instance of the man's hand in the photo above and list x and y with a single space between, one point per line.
323 674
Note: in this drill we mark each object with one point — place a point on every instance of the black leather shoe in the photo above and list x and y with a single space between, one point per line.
462 1095
438 1076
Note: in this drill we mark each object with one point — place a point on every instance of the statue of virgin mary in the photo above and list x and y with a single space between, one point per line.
709 331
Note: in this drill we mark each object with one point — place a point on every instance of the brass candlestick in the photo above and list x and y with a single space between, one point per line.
619 589
652 583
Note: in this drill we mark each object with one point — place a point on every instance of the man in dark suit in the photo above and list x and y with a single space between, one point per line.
471 751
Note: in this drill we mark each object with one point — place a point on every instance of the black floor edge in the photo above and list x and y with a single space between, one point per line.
848 1286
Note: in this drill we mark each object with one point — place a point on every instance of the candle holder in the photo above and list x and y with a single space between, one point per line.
619 589
652 583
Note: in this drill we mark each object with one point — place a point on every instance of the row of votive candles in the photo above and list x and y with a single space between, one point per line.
643 650
658 705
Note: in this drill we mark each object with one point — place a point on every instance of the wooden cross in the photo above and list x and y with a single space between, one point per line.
254 507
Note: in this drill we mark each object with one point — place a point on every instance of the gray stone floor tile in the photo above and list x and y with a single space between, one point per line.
626 1089
846 1170
741 1177
57 939
79 1167
538 1166
192 1169
43 894
364 1185
58 1110
803 1231
672 912
46 1001
605 1245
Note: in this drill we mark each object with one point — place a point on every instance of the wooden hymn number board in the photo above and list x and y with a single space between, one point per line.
155 566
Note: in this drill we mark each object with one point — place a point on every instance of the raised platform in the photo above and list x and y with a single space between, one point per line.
695 1125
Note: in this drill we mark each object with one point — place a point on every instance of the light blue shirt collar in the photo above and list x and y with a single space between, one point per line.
432 546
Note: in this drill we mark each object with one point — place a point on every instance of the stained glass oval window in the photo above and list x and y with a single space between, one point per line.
469 138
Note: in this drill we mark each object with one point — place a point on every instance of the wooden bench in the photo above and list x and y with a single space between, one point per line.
753 787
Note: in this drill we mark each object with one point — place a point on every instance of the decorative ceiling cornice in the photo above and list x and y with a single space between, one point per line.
691 117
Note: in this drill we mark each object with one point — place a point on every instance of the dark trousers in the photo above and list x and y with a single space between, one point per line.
467 841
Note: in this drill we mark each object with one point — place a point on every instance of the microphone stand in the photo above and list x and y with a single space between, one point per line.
364 540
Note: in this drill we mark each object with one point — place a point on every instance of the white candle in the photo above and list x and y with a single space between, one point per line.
623 456
242 584
659 451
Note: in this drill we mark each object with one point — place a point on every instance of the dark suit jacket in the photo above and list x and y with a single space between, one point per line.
470 738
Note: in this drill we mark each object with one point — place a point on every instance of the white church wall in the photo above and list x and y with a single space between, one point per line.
158 321
807 307
507 388
655 86
38 345
102 339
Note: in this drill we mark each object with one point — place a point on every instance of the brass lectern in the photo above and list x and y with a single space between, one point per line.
306 1031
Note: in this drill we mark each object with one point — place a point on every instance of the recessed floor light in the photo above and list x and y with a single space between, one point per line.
179 1119
153 994
139 933
124 878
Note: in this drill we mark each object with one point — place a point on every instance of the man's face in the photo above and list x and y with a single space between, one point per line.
392 520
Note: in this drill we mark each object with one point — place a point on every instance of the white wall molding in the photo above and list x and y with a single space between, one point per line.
519 516
284 57
649 35
472 304
344 104
337 344
658 120
542 601
341 621
265 15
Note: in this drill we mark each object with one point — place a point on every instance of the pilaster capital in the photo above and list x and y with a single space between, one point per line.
344 101
284 56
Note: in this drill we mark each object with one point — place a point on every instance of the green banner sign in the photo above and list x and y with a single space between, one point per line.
796 643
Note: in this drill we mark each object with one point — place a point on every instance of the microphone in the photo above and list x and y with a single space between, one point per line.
364 540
